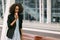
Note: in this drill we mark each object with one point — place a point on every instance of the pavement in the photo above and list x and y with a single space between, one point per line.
42 34
0 32
33 25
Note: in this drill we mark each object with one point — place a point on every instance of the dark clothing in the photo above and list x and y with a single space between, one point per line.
11 29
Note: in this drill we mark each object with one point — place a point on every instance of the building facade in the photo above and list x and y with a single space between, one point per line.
43 11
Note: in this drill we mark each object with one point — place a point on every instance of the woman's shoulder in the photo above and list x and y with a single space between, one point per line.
10 15
21 14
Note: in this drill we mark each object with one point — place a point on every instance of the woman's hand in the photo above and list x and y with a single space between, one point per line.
16 16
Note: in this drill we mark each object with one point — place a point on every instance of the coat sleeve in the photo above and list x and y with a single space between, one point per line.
22 18
9 22
10 31
20 21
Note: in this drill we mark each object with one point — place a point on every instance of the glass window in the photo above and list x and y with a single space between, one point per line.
45 11
31 9
1 12
56 11
1 7
19 1
2 4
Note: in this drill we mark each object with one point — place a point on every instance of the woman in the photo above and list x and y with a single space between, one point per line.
14 22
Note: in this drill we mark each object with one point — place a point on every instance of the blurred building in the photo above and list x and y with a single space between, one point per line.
38 10
41 10
43 16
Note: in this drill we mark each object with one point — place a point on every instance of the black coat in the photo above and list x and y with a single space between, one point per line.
11 29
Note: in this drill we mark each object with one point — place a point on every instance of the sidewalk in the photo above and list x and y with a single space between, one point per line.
33 25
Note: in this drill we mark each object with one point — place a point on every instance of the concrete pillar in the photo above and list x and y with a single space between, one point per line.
3 35
40 10
41 4
48 11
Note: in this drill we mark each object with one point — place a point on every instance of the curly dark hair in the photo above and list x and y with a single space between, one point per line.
12 8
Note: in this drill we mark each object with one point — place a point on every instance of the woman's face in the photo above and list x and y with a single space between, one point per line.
16 9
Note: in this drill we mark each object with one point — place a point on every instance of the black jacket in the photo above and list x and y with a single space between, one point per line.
10 31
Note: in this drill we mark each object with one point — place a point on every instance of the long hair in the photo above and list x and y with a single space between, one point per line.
12 8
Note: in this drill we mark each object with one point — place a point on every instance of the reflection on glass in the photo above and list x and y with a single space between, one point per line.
45 10
30 3
29 17
4 5
56 11
1 9
19 1
31 9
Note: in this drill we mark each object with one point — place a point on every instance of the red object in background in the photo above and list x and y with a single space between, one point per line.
36 37
30 37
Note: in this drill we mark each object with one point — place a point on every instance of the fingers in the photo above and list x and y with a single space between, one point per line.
16 16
